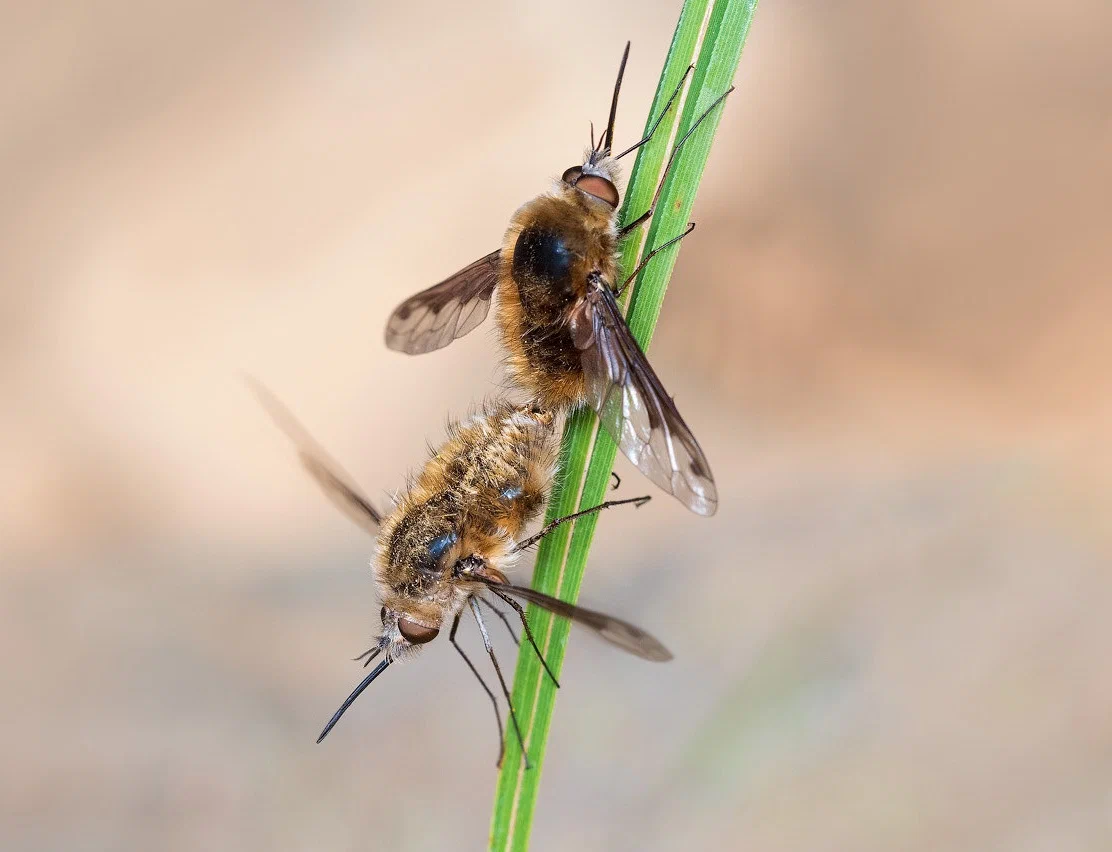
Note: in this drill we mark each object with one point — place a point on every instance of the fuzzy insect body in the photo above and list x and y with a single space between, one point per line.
454 532
473 497
555 245
557 281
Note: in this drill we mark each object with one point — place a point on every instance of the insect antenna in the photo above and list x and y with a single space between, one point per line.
659 118
671 161
367 655
606 141
501 680
525 544
379 669
482 683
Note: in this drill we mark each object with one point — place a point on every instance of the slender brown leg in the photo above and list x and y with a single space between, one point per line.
533 539
644 217
486 689
501 615
498 671
528 633
651 255
635 224
659 118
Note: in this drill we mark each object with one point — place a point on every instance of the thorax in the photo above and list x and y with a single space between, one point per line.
553 245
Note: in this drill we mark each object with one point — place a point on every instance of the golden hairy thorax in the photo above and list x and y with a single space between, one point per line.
474 496
552 247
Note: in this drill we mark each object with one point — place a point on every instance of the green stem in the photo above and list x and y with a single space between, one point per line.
562 556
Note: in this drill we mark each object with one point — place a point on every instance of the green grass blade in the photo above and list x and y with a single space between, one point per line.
562 556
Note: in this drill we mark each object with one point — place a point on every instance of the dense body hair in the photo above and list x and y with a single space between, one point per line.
453 531
554 246
555 282
475 495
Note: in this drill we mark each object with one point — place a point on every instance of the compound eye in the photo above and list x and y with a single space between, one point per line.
416 634
572 175
382 615
600 188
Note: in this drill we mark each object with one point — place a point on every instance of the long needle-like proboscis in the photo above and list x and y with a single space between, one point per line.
379 669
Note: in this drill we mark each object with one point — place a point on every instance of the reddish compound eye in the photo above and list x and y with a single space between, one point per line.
572 175
416 634
598 187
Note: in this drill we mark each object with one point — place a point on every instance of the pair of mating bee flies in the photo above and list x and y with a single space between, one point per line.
456 527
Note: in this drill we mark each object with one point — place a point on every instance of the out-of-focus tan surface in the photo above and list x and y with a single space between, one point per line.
892 334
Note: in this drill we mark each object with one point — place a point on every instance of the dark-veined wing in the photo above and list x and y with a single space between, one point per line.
633 406
333 481
435 317
626 636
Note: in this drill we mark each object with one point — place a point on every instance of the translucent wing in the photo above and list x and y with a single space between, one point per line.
435 317
633 406
626 636
333 481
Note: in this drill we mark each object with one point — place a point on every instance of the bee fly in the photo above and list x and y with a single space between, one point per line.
557 280
447 544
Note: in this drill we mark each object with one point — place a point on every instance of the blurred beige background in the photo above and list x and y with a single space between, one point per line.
892 334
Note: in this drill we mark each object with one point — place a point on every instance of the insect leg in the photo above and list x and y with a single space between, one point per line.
635 224
651 255
502 616
529 633
551 525
617 481
660 117
479 677
498 671
671 161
